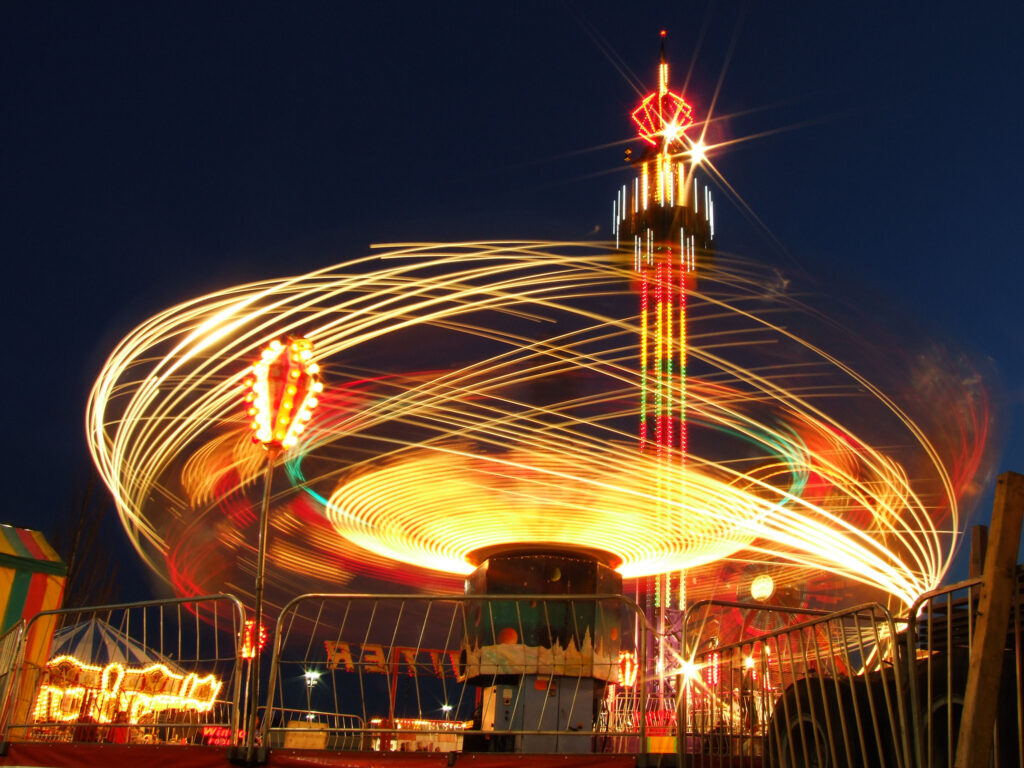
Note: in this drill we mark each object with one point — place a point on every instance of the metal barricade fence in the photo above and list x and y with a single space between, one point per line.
314 729
821 689
939 638
720 726
161 671
10 648
507 673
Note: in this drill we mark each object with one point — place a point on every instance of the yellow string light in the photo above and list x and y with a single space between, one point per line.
100 693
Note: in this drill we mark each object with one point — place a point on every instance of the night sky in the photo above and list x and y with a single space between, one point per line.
152 152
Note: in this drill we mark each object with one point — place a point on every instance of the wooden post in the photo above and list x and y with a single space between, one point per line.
974 745
979 545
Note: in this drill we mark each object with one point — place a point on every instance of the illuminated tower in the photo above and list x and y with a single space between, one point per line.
666 217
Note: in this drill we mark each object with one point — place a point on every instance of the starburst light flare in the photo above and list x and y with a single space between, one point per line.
484 395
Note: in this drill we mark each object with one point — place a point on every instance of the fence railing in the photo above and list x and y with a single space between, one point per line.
314 729
10 654
853 687
530 673
163 671
518 673
939 638
821 689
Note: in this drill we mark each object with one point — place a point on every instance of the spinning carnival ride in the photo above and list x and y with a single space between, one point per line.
483 398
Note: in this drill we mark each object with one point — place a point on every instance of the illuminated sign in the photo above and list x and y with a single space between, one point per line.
220 736
373 658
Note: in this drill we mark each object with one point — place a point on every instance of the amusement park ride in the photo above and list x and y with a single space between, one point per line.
667 214
666 217
512 494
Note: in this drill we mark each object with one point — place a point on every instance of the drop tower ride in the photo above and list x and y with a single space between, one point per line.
665 217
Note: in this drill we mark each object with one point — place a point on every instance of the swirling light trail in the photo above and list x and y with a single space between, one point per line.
483 394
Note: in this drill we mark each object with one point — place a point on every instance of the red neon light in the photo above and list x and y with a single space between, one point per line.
248 651
220 736
643 363
658 112
659 341
711 671
682 365
669 345
627 669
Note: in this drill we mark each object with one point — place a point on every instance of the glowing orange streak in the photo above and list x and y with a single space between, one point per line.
140 422
917 509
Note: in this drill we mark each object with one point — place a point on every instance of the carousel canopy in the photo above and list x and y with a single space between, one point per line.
97 642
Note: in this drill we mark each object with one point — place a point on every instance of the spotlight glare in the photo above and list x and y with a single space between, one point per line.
698 151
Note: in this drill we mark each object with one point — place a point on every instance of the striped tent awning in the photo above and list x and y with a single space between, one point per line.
98 643
31 575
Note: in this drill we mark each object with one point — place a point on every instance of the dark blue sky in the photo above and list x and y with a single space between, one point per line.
150 152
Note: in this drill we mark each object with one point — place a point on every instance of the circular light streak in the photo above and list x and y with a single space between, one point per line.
436 507
485 394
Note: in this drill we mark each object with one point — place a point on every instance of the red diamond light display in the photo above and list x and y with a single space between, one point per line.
660 111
